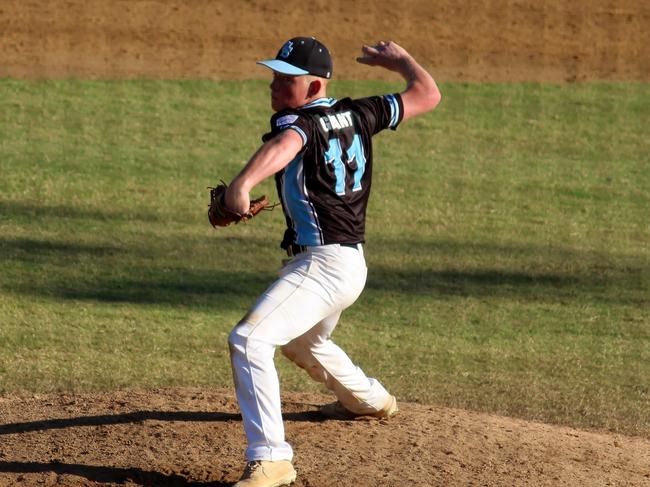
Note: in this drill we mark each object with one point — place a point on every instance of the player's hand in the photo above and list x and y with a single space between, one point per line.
386 54
237 199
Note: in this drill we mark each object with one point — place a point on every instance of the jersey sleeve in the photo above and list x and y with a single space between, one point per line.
290 120
381 112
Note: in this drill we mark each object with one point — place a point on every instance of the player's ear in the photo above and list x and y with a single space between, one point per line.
315 86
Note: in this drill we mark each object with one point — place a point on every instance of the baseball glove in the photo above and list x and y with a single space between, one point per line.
220 216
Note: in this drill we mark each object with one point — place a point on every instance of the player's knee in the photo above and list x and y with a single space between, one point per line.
243 341
238 339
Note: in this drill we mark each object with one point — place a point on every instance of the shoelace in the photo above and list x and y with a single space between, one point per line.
252 466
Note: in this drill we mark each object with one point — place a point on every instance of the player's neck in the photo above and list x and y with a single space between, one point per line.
317 96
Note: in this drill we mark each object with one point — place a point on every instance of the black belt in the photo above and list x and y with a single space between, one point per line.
295 249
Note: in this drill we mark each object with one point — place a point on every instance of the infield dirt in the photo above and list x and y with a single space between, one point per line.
194 437
481 40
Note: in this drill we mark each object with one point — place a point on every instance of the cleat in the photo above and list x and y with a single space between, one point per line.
336 410
262 473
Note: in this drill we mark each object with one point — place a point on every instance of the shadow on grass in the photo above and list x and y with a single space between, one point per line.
110 273
135 275
213 289
218 290
530 286
31 212
32 249
475 283
566 274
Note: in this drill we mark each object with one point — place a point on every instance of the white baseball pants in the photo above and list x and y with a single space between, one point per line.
298 312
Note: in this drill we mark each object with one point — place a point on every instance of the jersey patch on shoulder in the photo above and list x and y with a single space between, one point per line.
286 120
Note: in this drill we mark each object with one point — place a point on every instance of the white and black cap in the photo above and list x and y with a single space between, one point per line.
302 55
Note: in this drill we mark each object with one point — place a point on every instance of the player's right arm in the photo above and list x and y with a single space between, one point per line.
421 94
270 158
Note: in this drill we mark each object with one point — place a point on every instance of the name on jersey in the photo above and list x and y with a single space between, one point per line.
336 121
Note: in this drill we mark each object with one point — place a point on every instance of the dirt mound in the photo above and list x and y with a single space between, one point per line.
194 437
488 40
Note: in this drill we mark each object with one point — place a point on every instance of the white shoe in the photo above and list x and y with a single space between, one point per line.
262 473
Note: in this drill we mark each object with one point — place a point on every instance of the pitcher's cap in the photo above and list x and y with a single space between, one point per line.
302 55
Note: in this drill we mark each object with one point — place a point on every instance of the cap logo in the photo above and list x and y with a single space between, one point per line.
286 49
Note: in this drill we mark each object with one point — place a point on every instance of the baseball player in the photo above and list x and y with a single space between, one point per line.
320 151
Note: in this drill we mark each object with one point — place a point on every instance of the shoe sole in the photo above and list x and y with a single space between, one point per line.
288 480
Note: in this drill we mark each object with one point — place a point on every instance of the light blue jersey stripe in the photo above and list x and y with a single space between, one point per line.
301 212
321 102
300 132
394 110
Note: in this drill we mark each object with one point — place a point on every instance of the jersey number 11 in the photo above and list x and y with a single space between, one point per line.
354 153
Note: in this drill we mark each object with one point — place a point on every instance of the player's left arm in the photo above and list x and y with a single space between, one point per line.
270 158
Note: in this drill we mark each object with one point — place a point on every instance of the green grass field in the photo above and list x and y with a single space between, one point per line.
507 245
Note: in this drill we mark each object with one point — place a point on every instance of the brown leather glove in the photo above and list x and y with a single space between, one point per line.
220 216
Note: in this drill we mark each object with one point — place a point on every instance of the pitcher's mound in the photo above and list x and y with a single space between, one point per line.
185 437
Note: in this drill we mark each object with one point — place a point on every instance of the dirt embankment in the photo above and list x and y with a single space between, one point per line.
483 40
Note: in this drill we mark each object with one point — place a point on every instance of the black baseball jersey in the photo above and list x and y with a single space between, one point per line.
324 190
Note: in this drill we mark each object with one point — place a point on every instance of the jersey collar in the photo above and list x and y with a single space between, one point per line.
320 102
